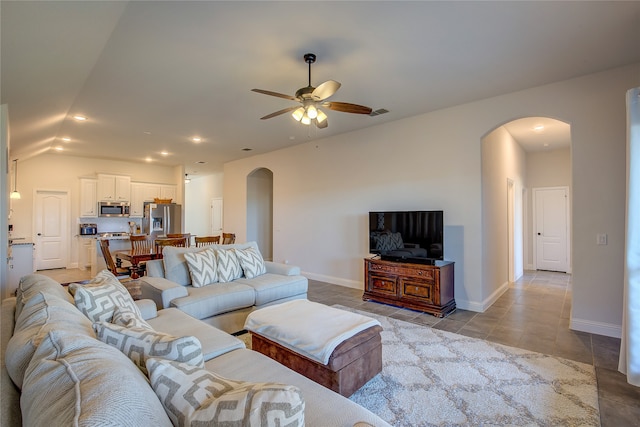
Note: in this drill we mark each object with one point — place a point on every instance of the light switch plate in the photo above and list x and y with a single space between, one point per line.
601 239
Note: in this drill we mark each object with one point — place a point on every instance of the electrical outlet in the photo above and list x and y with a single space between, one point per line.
601 239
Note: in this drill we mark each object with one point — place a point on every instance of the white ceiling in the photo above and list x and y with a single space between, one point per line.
150 75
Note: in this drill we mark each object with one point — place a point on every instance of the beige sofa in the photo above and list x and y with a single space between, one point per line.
89 383
226 305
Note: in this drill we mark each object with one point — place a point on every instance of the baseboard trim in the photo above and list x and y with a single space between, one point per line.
598 328
481 307
355 284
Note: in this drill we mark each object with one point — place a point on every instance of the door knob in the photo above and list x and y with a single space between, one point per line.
539 234
39 234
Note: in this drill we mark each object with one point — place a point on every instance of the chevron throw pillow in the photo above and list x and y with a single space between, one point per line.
194 397
202 267
124 317
228 265
139 344
251 262
99 298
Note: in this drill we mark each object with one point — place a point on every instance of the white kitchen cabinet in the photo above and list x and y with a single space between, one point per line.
168 192
88 198
20 263
142 192
86 247
114 188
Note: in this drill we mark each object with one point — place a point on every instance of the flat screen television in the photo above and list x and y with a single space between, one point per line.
407 236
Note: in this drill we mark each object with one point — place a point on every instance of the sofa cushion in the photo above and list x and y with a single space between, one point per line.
139 344
76 380
99 297
31 284
214 341
129 319
272 287
195 396
202 267
251 262
212 300
41 313
228 265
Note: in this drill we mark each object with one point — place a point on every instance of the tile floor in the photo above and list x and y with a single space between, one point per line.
533 314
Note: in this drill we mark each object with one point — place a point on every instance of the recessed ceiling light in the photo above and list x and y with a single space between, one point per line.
164 153
201 162
148 159
538 128
80 118
66 139
147 132
58 148
196 139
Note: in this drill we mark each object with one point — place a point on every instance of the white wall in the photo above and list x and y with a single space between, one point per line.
60 172
545 169
198 195
323 190
502 158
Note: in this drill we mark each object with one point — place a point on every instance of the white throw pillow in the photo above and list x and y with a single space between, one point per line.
251 262
202 267
228 265
195 396
139 344
99 298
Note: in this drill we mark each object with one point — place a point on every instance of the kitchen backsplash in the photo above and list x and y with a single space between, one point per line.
106 224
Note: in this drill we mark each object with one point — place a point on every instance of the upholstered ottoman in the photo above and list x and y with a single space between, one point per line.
335 348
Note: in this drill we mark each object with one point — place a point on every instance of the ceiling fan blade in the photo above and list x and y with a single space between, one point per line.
345 107
279 95
277 113
325 90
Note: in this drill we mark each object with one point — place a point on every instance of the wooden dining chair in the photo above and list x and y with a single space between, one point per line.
206 240
161 243
140 243
111 264
228 238
185 236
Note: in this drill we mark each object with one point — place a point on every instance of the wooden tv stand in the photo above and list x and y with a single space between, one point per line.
421 287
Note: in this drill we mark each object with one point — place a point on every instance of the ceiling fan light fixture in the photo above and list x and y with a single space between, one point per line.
321 116
312 112
297 114
305 120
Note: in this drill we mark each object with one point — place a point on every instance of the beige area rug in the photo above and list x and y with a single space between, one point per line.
437 378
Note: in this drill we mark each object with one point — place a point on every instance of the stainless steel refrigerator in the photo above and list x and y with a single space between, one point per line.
161 219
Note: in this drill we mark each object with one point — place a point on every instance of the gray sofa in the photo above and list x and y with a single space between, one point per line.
106 387
224 305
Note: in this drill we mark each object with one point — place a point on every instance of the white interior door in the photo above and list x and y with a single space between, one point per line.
551 210
216 217
51 229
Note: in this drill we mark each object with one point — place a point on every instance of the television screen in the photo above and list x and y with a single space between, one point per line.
410 236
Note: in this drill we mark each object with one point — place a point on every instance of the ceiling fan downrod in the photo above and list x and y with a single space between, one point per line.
309 58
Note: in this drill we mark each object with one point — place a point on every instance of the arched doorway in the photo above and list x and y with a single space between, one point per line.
260 210
518 156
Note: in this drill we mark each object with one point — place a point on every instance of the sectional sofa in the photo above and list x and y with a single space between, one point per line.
65 362
183 277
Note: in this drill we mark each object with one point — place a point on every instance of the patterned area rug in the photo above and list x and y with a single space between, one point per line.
437 378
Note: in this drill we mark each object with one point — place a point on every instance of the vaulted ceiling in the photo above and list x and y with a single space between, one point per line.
151 75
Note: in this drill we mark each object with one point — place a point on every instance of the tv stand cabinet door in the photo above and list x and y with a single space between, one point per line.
382 284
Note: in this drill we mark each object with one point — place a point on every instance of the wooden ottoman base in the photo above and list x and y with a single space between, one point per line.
354 362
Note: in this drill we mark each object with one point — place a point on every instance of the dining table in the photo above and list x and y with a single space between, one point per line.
136 257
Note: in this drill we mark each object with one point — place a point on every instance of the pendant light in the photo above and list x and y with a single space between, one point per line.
15 194
186 178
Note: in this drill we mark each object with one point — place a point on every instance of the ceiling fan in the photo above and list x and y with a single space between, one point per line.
312 98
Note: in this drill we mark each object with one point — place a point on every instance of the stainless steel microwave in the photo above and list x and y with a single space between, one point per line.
113 209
